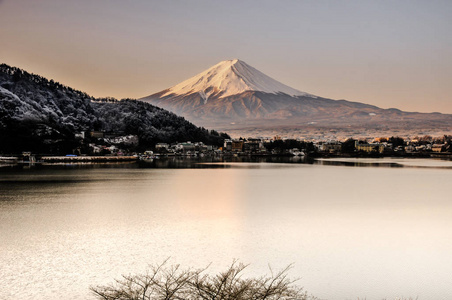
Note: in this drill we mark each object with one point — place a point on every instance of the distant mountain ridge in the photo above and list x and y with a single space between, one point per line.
232 95
36 114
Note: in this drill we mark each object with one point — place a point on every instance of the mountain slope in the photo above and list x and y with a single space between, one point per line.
235 96
34 111
230 77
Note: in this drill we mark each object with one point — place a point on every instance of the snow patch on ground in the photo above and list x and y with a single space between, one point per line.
8 93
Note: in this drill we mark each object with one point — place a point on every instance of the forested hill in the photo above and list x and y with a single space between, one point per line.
36 113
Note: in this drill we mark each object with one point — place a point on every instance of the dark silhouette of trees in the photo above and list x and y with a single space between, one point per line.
174 283
396 141
348 146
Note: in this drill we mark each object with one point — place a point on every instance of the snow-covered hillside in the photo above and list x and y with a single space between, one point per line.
231 77
42 115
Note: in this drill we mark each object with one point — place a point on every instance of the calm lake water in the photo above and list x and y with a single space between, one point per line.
371 229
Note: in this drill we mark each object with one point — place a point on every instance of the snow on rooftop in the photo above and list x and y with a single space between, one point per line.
231 77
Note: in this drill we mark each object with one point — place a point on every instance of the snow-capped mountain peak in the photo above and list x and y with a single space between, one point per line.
231 77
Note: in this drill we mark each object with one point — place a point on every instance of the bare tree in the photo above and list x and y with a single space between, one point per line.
163 282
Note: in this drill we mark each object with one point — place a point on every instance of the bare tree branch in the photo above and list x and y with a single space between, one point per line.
174 283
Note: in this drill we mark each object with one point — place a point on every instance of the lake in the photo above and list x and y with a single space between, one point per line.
367 228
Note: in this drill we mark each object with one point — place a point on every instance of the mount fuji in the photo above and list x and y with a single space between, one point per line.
236 97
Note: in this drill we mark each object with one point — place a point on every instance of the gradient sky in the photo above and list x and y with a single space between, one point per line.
386 53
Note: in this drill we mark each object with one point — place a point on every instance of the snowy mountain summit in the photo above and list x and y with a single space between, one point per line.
231 77
233 95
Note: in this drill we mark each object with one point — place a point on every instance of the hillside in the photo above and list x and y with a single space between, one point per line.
41 115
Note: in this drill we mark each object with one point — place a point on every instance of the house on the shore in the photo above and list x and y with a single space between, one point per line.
369 148
438 148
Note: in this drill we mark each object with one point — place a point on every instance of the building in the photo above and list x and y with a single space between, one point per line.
227 146
80 135
186 147
331 147
237 146
161 146
96 134
374 147
439 148
253 145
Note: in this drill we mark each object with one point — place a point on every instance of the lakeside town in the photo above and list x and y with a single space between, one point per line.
101 147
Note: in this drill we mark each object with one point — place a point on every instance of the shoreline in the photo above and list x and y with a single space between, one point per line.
181 161
42 159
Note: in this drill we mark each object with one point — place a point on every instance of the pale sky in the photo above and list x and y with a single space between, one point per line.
385 53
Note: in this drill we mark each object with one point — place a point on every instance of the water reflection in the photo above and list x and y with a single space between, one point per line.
386 162
227 162
218 162
351 232
170 162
